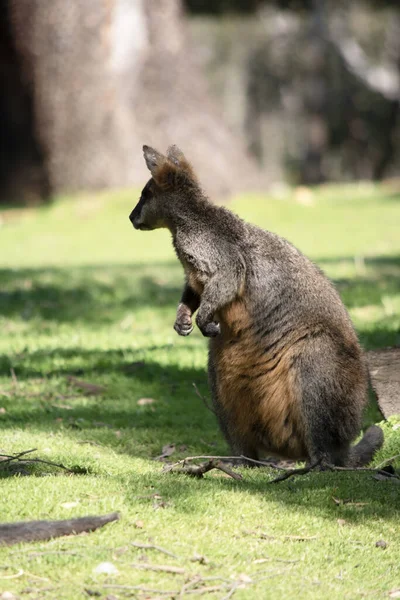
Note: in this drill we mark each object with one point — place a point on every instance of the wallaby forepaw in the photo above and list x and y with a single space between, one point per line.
183 327
183 323
211 329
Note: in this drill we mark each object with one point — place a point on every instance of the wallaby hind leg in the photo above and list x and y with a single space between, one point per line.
237 446
331 409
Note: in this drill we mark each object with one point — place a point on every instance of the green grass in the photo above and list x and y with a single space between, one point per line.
83 294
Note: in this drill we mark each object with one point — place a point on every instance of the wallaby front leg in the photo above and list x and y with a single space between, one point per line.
189 303
219 291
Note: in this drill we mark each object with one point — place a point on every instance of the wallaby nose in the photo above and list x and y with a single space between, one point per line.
132 218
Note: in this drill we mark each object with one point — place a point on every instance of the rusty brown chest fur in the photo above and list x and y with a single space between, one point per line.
257 391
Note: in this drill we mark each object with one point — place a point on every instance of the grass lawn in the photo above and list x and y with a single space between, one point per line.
82 294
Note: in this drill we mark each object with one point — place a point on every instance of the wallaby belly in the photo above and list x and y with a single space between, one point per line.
256 395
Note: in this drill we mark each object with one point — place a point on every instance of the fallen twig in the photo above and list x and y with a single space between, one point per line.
205 401
387 461
365 470
34 531
13 376
160 568
89 388
183 461
15 576
153 547
140 588
6 459
293 472
217 462
200 470
263 463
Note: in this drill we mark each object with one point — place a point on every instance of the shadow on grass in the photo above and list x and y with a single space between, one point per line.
354 497
115 420
95 294
102 294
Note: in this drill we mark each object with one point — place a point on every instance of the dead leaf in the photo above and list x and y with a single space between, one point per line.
381 544
394 593
145 401
8 596
348 501
341 522
159 502
199 558
106 568
167 450
139 524
243 578
2 410
69 504
89 388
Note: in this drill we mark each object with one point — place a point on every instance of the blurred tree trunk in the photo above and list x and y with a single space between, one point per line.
106 76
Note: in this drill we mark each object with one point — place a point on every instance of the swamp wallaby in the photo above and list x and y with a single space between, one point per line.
285 368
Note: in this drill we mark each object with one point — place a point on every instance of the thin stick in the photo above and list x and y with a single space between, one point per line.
205 401
140 588
387 461
200 470
263 463
10 457
160 568
13 376
231 592
293 472
201 457
365 470
17 457
152 547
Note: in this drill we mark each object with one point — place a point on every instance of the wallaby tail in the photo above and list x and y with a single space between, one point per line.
362 453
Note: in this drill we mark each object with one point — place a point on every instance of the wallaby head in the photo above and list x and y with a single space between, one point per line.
172 180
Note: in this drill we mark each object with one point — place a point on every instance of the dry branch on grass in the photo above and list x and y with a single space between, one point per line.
159 568
205 401
6 459
199 470
35 531
217 462
153 547
90 388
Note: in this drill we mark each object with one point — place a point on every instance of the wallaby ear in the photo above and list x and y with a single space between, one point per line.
161 168
176 155
153 158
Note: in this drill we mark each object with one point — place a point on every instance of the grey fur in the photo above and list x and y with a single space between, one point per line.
291 306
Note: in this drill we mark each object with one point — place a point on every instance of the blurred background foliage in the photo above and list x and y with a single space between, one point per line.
257 92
